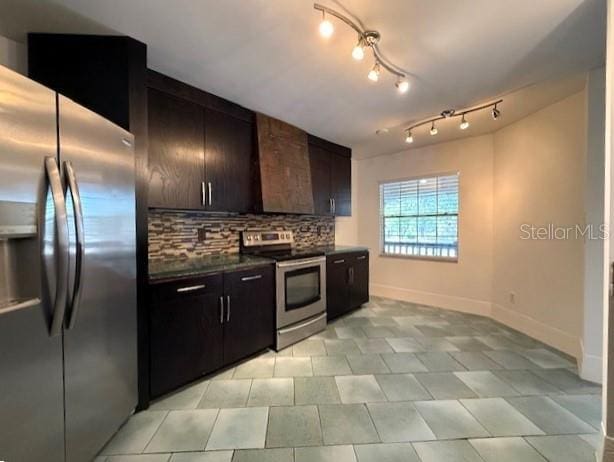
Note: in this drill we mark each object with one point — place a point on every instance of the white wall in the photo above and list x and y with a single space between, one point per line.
539 165
13 55
594 274
531 171
465 285
608 324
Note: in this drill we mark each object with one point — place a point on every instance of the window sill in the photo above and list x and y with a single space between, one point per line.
421 257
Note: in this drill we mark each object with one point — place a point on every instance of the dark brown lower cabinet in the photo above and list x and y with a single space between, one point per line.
199 325
337 285
359 279
249 325
186 333
347 282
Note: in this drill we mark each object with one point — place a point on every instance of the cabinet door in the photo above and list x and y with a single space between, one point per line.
249 323
230 166
337 285
176 152
319 160
186 332
341 184
359 279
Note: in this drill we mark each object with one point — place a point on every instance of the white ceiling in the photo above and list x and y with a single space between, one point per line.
268 56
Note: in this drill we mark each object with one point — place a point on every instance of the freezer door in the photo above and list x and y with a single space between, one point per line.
100 340
31 389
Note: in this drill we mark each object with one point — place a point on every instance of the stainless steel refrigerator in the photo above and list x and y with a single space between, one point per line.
68 371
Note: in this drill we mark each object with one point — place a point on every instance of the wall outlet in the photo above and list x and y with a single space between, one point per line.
202 234
512 297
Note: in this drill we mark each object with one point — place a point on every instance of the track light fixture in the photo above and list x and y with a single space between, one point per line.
373 75
326 27
402 85
358 53
450 113
366 38
464 125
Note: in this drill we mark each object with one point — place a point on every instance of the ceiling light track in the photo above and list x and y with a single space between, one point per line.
366 39
451 113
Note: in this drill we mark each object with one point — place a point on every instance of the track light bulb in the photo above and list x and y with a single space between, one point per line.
434 130
409 138
326 27
495 112
464 125
373 75
358 53
402 85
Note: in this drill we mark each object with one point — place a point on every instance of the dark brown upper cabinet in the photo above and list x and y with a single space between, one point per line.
331 177
320 162
206 153
176 152
341 185
202 154
230 166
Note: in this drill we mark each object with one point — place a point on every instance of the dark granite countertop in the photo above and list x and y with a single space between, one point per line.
199 266
186 267
335 249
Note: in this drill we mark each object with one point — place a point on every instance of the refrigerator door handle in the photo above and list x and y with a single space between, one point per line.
61 258
73 187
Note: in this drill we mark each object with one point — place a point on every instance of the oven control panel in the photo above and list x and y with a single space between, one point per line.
263 238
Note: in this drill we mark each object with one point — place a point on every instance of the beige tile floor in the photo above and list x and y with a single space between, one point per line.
390 382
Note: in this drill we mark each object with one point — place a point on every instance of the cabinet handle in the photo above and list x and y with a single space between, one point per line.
251 278
336 262
227 308
330 205
351 271
203 194
362 257
209 189
221 310
191 288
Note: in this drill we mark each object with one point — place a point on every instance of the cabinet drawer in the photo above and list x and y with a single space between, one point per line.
339 259
260 274
189 287
359 257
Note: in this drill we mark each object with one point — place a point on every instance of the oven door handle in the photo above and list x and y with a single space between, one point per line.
301 262
301 325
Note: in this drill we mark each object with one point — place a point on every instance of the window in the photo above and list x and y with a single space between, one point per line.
419 217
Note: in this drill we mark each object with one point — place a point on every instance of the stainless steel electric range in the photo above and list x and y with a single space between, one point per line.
301 284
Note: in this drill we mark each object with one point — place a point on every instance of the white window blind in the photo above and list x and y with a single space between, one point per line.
419 217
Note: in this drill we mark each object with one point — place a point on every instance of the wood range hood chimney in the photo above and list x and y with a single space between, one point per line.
285 174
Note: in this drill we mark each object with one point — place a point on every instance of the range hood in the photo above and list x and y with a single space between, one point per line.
285 174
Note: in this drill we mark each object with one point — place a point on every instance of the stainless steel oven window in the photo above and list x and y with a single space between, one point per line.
302 287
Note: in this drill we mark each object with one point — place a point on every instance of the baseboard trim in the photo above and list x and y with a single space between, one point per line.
448 302
591 366
549 335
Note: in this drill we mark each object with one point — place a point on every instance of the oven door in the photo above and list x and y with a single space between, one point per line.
301 290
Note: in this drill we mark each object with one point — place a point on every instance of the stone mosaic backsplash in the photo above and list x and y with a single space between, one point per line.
175 234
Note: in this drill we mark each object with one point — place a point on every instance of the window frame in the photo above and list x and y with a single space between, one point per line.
433 258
